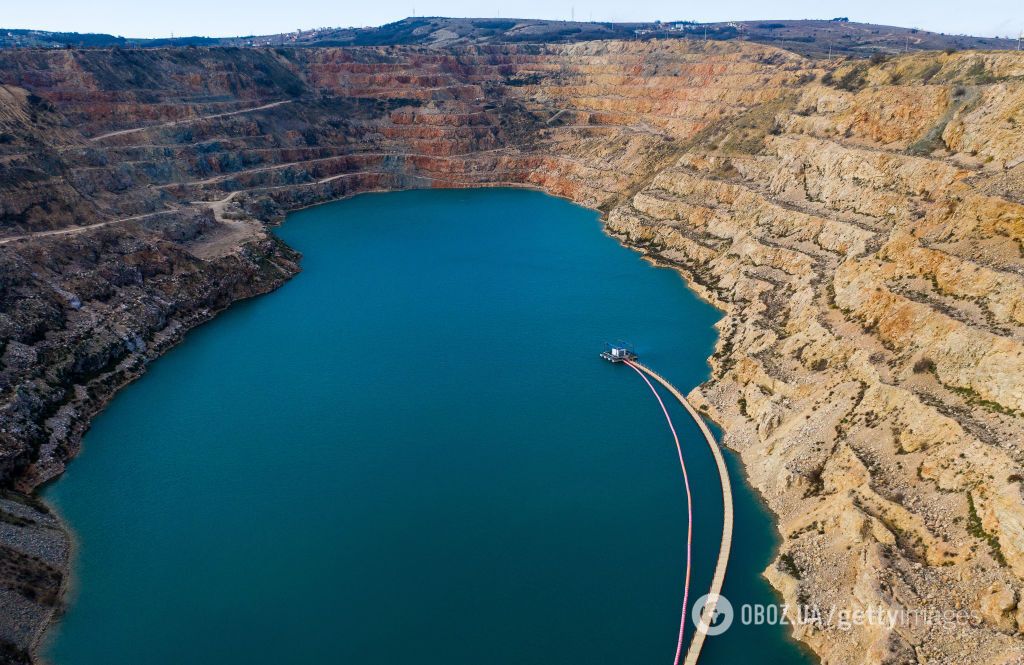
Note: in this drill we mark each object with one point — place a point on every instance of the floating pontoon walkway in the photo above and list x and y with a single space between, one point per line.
697 643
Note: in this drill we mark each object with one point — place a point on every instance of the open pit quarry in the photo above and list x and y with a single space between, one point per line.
861 224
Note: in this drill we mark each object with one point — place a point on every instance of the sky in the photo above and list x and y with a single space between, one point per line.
225 18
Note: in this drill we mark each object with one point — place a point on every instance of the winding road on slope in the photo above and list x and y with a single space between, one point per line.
184 121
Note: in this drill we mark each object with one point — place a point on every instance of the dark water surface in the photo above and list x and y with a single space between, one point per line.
412 453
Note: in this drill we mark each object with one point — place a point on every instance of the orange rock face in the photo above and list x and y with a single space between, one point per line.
862 225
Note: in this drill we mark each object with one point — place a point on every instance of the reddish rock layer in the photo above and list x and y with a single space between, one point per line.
860 224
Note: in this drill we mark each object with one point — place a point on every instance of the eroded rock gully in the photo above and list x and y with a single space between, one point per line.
862 225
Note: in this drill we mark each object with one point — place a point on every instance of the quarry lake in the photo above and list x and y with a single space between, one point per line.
411 452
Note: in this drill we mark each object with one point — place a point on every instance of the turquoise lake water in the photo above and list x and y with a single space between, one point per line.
412 453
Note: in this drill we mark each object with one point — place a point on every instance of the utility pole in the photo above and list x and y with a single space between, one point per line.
572 13
907 47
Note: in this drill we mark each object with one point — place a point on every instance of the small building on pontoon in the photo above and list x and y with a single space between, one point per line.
618 352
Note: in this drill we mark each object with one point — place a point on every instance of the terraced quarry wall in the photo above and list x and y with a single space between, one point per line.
862 226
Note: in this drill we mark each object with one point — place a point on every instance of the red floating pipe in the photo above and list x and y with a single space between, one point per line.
689 513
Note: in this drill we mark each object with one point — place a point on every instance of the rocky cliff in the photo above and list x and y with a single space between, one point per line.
861 224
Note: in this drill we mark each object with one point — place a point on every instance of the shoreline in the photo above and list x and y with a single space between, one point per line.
181 334
796 196
35 479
